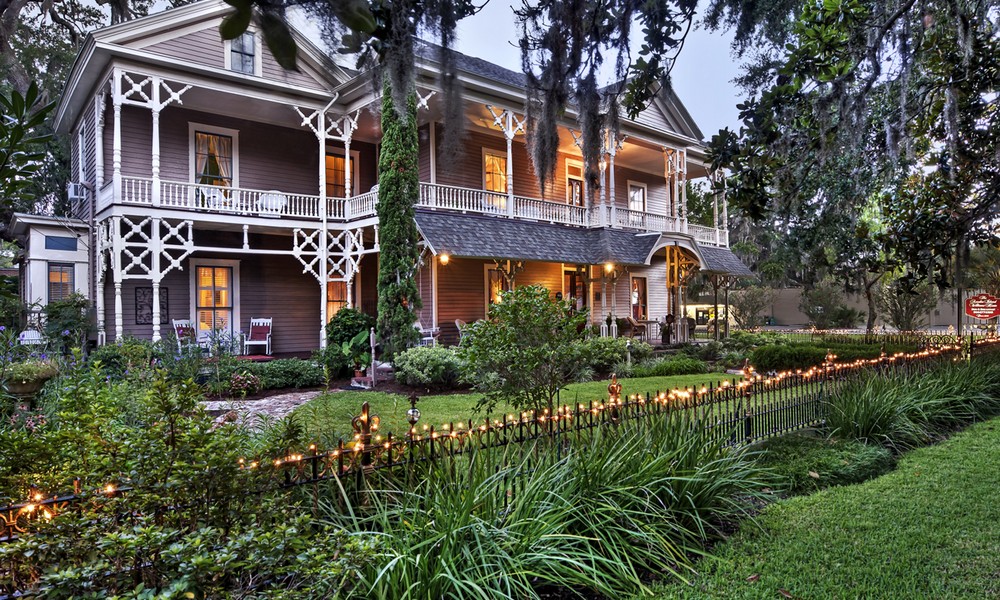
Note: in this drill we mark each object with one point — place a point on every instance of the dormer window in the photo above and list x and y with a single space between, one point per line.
243 54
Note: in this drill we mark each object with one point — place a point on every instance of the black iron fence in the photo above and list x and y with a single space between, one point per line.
736 411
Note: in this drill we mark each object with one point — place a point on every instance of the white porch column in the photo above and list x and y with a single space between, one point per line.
116 144
155 165
682 175
116 248
604 303
348 184
612 151
508 133
324 244
98 142
725 218
715 207
157 243
102 335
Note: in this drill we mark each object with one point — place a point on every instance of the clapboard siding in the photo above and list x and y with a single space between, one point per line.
203 47
425 287
367 166
461 295
652 117
656 189
272 71
178 305
424 152
368 277
547 275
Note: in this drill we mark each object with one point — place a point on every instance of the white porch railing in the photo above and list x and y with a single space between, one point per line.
242 201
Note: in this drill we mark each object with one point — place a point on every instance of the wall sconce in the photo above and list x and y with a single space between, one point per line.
609 267
444 258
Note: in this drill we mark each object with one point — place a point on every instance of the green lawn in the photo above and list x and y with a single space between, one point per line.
329 415
929 529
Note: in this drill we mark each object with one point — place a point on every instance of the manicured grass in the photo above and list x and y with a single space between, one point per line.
329 416
929 529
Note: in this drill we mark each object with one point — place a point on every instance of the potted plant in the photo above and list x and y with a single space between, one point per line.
26 378
357 352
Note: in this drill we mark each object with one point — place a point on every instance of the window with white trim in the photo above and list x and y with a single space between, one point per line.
494 172
336 167
574 183
213 159
215 298
637 196
61 282
243 53
336 297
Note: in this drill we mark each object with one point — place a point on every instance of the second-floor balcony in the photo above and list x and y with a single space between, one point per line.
275 204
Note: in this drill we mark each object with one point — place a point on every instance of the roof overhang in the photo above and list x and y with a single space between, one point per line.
21 222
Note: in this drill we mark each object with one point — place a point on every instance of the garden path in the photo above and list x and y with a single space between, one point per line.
250 412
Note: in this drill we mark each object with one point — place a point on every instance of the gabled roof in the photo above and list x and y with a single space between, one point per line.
136 41
722 261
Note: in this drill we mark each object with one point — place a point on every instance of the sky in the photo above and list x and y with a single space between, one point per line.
702 77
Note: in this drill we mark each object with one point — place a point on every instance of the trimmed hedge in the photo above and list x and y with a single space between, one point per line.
428 366
604 354
678 365
785 357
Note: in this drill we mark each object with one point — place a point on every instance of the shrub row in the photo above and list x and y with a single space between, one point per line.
784 357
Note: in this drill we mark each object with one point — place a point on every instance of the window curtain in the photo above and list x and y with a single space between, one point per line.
496 173
213 159
200 155
222 148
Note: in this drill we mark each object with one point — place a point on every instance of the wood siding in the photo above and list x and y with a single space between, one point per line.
206 48
270 286
656 189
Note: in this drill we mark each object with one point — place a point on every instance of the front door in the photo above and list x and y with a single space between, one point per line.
575 287
639 309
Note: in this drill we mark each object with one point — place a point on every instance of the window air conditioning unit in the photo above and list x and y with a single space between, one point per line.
77 192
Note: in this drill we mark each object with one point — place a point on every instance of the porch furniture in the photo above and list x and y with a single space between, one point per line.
652 328
260 335
31 337
636 328
184 332
461 329
214 198
272 204
428 335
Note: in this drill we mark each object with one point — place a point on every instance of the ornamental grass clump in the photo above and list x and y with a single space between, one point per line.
597 517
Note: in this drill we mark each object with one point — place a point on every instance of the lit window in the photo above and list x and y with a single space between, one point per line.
60 281
496 286
335 180
336 297
213 159
242 52
214 298
495 172
574 183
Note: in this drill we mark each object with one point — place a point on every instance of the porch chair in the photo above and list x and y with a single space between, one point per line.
428 335
460 324
636 328
260 335
184 332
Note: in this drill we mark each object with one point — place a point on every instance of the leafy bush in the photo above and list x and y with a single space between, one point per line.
428 366
288 373
803 464
780 357
678 365
824 305
749 305
345 325
127 357
67 322
243 384
602 354
32 369
526 351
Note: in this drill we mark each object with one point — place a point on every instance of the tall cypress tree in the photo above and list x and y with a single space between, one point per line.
399 188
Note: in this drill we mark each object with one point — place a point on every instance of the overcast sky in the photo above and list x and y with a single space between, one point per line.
702 77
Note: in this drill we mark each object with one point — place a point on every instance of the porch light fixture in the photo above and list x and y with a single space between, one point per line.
444 258
609 267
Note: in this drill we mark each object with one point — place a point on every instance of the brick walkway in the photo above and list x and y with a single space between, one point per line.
271 408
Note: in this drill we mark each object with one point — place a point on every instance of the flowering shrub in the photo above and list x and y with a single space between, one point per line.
26 419
243 383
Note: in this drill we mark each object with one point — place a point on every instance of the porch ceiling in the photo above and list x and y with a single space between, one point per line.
469 236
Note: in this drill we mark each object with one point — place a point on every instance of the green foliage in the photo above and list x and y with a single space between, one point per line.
433 367
749 304
935 513
399 256
31 369
129 357
602 354
357 350
907 309
902 411
803 464
526 351
288 373
629 501
21 155
780 357
67 322
346 324
824 305
678 365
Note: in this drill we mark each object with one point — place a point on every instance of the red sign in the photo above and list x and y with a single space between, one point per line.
982 306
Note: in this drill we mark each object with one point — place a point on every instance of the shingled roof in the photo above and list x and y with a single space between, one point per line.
723 261
475 236
484 236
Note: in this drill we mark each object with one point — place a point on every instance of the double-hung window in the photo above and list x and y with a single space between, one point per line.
336 297
243 53
495 179
213 159
574 183
637 196
60 281
214 298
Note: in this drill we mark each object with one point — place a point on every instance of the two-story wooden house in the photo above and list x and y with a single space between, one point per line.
216 186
